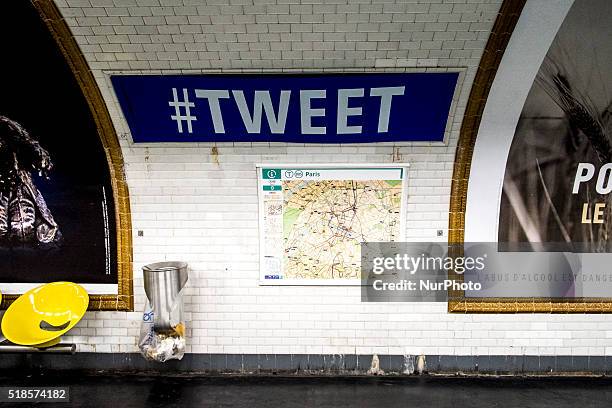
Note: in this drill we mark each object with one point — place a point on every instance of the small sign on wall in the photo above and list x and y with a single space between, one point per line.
322 108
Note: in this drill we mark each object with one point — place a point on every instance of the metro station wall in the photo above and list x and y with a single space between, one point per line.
199 204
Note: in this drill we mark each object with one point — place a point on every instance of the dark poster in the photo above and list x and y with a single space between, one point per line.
57 219
566 121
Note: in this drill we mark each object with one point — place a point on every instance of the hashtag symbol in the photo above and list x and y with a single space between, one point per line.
186 105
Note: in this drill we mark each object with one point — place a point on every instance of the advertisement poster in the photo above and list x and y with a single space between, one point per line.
556 195
57 216
313 220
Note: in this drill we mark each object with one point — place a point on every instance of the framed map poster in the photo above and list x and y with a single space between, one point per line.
313 219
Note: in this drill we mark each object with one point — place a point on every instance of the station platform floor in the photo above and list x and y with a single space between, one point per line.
338 392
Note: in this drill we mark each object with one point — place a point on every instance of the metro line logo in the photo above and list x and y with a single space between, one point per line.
322 108
271 173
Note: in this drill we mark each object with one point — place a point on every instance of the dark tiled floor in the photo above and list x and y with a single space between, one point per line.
293 392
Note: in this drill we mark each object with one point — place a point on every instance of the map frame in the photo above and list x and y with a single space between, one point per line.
328 166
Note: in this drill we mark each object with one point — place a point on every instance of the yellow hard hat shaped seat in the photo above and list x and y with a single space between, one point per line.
41 315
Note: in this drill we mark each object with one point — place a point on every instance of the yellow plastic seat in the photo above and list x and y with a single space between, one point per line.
41 315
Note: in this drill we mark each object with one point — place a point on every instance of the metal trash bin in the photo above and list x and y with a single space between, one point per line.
162 334
163 283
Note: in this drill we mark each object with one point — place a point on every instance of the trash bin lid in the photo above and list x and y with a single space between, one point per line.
164 266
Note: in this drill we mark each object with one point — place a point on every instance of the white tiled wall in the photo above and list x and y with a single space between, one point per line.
202 209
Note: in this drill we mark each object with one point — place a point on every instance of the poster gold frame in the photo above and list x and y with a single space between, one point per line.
457 302
124 299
